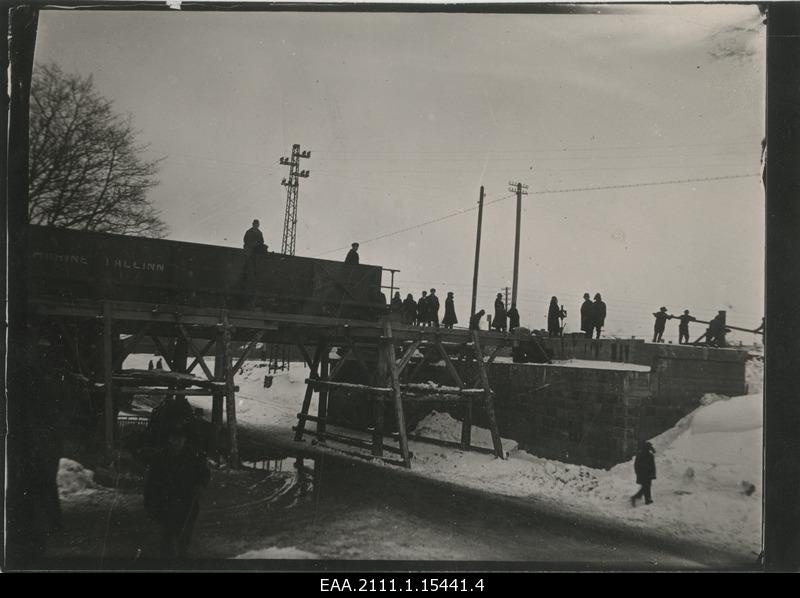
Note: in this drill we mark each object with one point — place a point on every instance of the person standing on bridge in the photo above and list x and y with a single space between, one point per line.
553 313
422 310
409 310
661 317
475 320
683 327
433 309
644 465
397 303
449 312
499 320
587 316
352 255
253 239
598 314
513 318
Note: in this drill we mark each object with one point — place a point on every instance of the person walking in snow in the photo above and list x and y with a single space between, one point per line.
645 467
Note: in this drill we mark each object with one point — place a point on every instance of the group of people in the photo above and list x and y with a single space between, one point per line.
425 311
504 319
593 315
714 336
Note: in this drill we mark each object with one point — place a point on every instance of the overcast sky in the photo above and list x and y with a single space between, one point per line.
407 115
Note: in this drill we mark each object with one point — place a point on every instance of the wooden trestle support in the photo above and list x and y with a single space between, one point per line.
383 385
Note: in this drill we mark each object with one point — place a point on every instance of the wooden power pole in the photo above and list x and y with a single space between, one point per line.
520 190
473 307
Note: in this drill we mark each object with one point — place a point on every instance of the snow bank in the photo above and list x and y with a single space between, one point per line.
443 426
277 553
73 478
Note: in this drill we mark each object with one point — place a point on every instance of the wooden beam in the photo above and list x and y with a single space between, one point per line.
230 395
299 341
162 350
489 400
247 351
398 397
198 357
298 436
108 373
350 386
408 354
219 375
450 367
129 347
322 399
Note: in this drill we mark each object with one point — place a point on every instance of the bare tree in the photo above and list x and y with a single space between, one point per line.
86 166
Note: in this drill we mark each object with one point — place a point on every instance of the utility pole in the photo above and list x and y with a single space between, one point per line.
477 256
292 184
521 190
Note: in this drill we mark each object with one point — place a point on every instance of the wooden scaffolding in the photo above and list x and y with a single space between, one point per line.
392 381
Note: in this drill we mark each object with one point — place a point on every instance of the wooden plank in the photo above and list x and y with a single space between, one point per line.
489 401
351 386
219 375
298 436
378 409
108 373
398 397
198 357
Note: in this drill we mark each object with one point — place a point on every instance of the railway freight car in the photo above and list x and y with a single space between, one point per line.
69 265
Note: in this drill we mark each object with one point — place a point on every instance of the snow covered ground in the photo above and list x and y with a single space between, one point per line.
709 477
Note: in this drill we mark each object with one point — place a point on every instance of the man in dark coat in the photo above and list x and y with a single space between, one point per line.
598 314
587 315
422 310
397 303
715 335
177 475
253 239
661 317
553 322
433 308
645 467
513 318
475 320
409 310
499 320
449 312
352 255
683 327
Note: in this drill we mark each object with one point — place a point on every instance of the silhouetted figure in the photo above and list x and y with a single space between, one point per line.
499 320
587 316
513 318
176 477
159 365
409 309
598 314
449 312
715 335
352 255
253 239
683 327
475 320
422 310
661 317
397 303
645 467
433 308
150 365
553 314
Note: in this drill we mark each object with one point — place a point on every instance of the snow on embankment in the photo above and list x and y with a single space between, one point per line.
445 427
277 553
708 486
73 479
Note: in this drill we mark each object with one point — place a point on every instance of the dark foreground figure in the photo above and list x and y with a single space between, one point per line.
645 467
177 475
